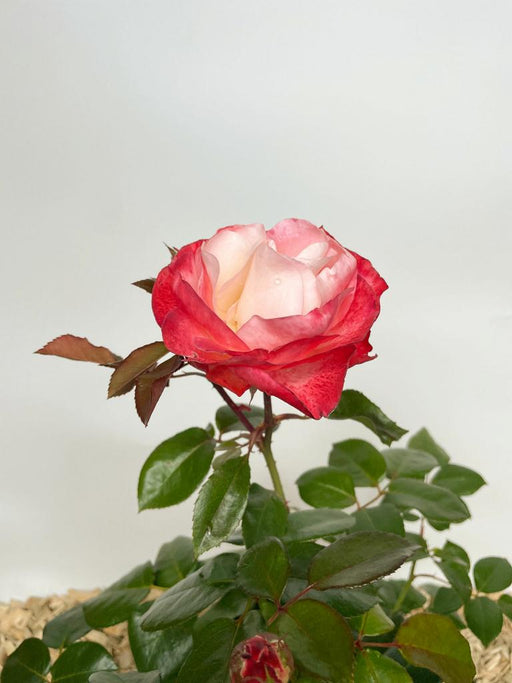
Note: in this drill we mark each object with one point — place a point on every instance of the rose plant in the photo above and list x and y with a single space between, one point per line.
293 594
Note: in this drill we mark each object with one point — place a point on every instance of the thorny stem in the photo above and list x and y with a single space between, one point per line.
266 448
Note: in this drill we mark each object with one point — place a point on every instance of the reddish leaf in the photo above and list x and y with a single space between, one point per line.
146 285
133 365
150 386
78 348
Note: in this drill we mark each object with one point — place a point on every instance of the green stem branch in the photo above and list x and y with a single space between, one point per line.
266 448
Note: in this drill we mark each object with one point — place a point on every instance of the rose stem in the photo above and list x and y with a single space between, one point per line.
266 448
236 409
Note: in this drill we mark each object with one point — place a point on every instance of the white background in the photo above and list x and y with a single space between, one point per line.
127 124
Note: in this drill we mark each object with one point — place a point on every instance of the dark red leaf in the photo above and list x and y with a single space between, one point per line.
150 386
78 348
146 285
137 362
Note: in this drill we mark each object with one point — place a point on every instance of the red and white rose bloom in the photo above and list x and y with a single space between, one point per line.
286 311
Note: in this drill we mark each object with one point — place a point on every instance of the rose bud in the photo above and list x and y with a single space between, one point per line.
286 311
264 658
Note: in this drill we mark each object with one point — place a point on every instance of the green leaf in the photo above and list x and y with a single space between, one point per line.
460 480
208 661
307 525
133 365
458 576
420 541
423 441
253 624
326 487
66 628
354 405
404 462
433 641
79 661
451 552
375 622
185 599
484 618
174 561
175 469
29 663
358 558
385 517
492 574
349 602
116 603
389 591
505 604
319 639
265 515
227 421
434 502
220 504
446 600
130 677
360 460
221 569
300 555
164 650
372 667
263 569
230 606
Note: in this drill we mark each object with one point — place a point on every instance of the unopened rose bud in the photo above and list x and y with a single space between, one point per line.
264 658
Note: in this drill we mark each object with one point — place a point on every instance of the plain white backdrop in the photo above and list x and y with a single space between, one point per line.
127 124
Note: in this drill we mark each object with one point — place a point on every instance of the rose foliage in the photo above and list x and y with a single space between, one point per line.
290 594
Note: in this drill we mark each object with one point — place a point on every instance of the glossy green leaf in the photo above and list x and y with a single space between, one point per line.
423 441
164 651
484 618
66 628
326 487
405 462
372 667
130 677
420 541
458 576
492 574
81 660
446 600
175 560
264 568
358 558
184 600
433 641
505 604
460 480
227 421
434 502
375 622
307 525
115 604
360 460
175 469
133 365
384 517
265 515
354 405
220 504
221 569
29 663
451 552
319 638
349 602
208 661
230 606
390 590
300 555
253 624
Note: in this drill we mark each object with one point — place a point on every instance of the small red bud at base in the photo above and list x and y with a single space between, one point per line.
264 658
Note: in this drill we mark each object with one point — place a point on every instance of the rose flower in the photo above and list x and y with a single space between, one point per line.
286 311
264 658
